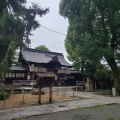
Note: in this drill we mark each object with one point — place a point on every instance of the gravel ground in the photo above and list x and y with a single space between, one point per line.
106 112
17 99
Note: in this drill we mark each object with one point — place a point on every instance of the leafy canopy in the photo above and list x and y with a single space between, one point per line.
16 23
42 47
93 32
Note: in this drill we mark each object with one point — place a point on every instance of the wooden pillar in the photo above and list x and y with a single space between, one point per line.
33 76
39 94
23 92
50 94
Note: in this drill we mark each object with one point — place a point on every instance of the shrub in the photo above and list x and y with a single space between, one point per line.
101 76
106 92
2 95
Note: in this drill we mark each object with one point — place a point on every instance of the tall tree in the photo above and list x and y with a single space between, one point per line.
94 31
42 47
16 23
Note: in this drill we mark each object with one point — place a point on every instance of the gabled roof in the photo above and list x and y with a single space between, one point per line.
38 56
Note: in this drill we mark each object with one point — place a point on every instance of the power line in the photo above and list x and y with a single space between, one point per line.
52 30
66 35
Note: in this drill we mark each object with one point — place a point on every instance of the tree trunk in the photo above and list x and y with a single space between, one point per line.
101 85
116 73
3 50
0 73
82 68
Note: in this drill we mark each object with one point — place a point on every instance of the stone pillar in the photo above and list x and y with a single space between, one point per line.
89 85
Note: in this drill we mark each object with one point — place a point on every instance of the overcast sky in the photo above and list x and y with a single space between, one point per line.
52 20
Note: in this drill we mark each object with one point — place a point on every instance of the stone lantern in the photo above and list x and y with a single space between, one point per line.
89 85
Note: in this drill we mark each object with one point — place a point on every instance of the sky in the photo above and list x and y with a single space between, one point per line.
52 20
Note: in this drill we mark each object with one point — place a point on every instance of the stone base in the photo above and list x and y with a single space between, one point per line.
89 87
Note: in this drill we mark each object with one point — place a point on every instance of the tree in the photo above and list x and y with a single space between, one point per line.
94 31
42 47
28 42
16 23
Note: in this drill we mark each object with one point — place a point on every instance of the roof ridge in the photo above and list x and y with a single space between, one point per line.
41 51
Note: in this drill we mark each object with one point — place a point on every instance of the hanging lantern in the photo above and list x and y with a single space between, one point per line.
13 75
17 75
28 76
7 75
10 74
32 68
23 75
36 69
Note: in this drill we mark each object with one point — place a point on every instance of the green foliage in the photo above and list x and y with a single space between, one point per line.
16 23
86 32
89 70
93 32
42 47
4 95
105 92
28 43
100 75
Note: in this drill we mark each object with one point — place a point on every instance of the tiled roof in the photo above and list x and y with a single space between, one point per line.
38 56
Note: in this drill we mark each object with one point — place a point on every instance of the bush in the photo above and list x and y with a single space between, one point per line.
101 76
2 95
106 92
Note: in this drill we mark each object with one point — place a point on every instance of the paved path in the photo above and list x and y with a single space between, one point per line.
94 100
104 112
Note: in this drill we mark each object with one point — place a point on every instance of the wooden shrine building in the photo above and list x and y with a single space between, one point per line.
36 63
